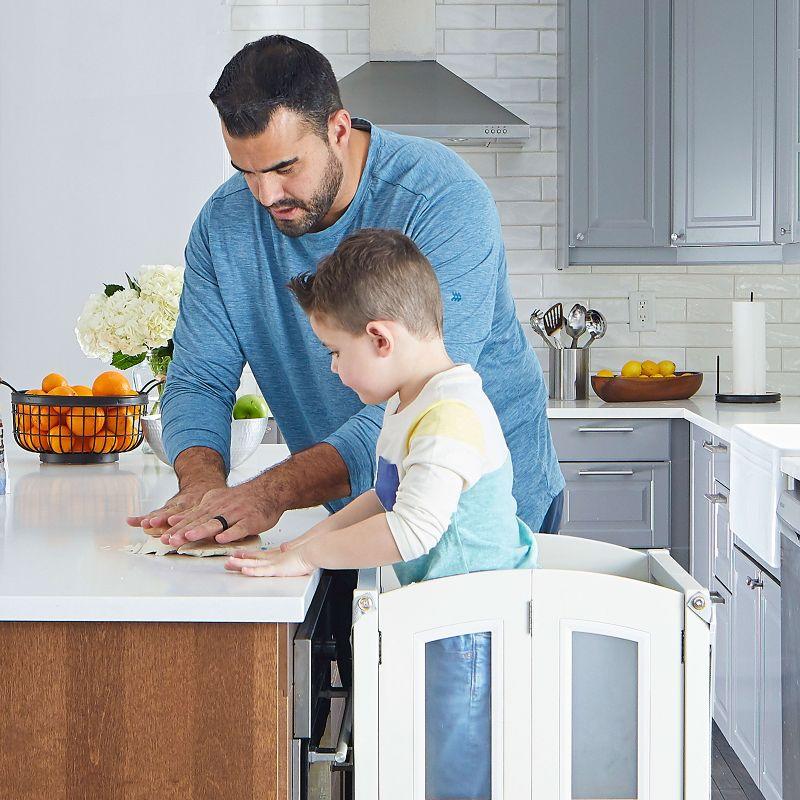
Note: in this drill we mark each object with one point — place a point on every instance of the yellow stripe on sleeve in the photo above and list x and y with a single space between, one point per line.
452 419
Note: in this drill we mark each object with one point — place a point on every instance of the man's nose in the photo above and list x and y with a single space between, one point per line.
268 189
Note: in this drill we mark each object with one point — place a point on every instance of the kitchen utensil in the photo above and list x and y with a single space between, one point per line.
568 375
639 390
576 323
246 436
537 323
554 319
595 326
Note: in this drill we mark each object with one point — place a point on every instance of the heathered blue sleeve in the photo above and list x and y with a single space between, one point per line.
207 363
355 442
459 232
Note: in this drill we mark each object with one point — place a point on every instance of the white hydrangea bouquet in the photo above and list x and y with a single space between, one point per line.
126 326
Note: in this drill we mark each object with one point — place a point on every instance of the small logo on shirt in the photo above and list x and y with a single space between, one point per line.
455 297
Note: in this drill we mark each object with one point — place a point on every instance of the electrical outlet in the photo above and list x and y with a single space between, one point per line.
642 307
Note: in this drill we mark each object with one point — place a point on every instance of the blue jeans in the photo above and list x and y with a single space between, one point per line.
458 715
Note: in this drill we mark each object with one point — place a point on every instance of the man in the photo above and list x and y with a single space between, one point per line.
309 175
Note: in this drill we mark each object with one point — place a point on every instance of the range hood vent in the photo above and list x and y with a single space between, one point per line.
404 89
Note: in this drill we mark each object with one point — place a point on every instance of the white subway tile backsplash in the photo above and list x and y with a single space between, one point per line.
548 42
613 358
515 188
549 188
490 41
485 164
694 286
518 90
344 65
568 285
783 335
261 18
704 359
768 286
530 16
465 16
526 163
791 359
517 213
549 234
345 17
523 286
358 41
713 310
526 66
688 334
539 114
328 42
522 237
533 262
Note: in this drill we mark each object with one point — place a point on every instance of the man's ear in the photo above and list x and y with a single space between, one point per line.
339 127
382 338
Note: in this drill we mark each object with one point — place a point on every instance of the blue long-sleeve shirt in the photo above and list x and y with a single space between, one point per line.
235 308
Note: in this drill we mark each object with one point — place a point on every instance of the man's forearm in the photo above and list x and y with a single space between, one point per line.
200 466
308 478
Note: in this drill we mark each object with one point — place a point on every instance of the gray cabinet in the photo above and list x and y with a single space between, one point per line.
723 121
770 772
702 483
722 658
787 163
756 674
619 123
721 537
625 503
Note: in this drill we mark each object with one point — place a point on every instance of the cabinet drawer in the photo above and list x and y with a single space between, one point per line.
622 503
720 459
611 439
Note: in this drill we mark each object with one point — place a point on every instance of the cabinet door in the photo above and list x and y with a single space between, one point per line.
625 503
619 122
723 121
701 507
787 163
771 717
722 659
722 536
745 664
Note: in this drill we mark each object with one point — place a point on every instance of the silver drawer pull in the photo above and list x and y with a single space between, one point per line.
754 583
716 597
715 448
605 430
591 472
718 497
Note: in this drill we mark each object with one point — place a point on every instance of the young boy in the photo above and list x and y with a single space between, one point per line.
442 503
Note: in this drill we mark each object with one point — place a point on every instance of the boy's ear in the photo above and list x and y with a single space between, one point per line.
381 336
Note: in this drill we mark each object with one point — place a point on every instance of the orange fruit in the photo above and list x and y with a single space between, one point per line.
61 440
53 380
61 391
125 442
118 420
102 443
35 441
82 444
84 421
111 384
82 391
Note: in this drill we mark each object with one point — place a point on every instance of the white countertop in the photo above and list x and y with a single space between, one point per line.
62 528
716 418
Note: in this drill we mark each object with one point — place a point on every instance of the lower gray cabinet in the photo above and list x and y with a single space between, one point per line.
625 503
722 658
702 484
755 733
721 537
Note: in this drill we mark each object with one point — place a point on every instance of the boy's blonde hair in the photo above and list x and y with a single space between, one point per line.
374 274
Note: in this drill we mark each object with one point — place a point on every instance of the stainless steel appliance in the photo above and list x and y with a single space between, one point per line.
322 708
789 516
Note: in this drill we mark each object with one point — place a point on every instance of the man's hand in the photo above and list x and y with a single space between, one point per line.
155 522
269 563
247 508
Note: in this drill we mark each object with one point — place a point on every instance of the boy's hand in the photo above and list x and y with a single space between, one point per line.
269 563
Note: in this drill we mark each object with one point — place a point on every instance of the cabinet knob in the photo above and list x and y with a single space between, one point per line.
785 231
754 583
677 236
579 237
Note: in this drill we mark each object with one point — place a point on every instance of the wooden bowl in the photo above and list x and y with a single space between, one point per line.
641 390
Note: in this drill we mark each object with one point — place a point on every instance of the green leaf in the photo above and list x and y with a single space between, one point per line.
121 361
132 283
112 288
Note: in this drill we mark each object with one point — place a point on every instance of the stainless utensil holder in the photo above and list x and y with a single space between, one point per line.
569 373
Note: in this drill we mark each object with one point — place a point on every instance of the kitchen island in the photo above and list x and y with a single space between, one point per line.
116 678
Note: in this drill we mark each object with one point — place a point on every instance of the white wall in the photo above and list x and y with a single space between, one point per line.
108 148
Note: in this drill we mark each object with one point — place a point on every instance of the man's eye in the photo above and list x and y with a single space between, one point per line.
287 171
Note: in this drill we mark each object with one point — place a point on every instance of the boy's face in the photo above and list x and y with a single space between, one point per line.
363 362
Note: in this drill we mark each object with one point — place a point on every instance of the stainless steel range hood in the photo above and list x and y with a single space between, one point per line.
404 89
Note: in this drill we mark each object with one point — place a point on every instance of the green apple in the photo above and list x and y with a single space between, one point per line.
251 406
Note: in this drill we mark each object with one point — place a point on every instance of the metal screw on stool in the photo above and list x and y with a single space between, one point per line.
365 603
698 603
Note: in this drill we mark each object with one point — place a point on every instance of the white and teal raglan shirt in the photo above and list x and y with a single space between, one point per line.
445 479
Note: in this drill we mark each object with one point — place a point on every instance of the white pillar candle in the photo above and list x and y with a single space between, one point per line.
749 347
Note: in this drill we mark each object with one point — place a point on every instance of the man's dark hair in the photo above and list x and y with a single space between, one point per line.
374 274
271 73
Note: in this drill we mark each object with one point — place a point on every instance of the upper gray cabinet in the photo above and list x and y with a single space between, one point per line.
619 108
787 164
723 121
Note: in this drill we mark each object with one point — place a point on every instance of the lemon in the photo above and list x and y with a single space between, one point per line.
670 376
657 375
666 368
633 369
649 367
605 373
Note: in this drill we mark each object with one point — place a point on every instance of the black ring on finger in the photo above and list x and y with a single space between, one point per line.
223 522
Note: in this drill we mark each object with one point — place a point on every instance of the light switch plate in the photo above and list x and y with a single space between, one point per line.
642 310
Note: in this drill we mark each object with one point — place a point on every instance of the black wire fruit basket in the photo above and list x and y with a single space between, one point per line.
80 429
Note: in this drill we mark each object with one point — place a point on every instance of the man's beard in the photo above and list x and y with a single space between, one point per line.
316 208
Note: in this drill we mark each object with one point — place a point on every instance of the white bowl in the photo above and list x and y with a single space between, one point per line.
246 436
